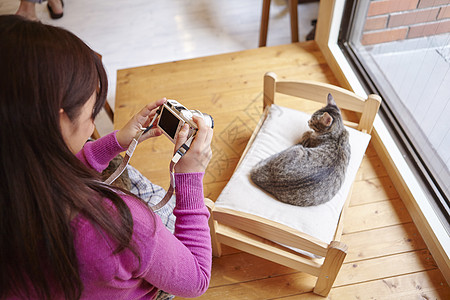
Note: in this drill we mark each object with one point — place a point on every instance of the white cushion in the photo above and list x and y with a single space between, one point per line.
282 129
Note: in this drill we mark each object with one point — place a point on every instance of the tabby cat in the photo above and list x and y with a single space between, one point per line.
311 172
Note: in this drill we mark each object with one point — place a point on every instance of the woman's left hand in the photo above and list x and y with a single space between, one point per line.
141 119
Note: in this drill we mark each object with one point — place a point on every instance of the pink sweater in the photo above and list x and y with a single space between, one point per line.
179 264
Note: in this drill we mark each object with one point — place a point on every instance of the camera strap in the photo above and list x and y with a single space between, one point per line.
177 156
126 158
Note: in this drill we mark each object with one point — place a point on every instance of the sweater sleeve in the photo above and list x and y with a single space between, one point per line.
180 264
99 153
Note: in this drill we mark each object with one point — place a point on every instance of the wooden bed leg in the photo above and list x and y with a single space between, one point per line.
216 247
330 268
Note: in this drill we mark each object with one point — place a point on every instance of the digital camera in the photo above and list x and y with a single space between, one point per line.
173 116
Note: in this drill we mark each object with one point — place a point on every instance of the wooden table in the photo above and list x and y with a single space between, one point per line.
228 87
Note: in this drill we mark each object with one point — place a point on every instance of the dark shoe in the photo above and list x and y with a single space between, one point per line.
312 34
52 14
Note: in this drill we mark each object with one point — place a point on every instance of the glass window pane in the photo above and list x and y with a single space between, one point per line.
404 46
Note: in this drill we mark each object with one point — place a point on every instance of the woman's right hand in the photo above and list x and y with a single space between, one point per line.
199 154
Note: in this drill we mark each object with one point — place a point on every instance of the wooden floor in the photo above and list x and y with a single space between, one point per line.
387 257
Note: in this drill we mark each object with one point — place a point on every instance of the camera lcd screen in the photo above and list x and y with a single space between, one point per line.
169 123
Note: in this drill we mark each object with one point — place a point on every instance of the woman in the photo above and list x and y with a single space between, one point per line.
65 234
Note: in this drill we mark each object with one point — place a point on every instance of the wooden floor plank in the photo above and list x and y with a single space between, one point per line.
370 152
383 267
443 293
422 279
420 285
371 167
240 266
375 215
373 190
382 241
227 250
243 267
279 286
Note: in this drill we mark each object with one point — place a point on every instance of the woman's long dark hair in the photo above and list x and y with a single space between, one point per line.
42 184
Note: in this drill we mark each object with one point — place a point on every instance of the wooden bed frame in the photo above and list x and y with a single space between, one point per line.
262 237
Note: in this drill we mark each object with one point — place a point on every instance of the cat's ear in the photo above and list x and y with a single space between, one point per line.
330 100
326 119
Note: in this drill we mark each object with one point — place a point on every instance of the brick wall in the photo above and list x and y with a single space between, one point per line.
391 20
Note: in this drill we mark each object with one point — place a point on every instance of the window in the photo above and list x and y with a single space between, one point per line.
401 50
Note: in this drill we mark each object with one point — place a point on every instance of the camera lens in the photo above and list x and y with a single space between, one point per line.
207 118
